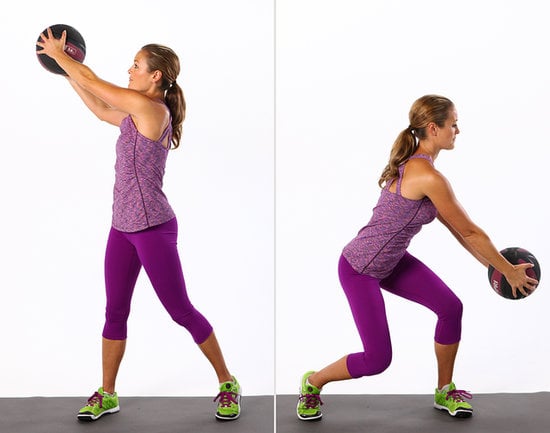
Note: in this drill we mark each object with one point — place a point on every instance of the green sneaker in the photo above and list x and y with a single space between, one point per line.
229 401
452 400
309 401
98 405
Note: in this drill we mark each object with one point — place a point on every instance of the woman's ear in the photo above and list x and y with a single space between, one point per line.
432 129
157 76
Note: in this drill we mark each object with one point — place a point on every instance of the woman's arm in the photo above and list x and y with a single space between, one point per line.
117 98
462 242
103 111
435 186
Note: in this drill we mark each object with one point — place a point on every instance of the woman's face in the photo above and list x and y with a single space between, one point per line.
448 132
140 76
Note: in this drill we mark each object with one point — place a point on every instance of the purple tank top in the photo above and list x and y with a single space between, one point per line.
380 245
138 199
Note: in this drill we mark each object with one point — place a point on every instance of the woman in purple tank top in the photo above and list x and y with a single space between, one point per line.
144 229
413 193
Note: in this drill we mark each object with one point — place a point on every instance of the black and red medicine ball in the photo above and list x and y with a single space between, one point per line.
516 256
74 47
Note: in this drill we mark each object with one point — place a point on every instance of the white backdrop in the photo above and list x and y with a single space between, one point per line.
347 72
56 181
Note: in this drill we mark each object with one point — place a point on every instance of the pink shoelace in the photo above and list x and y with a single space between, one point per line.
226 398
458 395
311 401
95 398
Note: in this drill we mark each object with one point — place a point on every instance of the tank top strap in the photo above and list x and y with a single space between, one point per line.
423 156
166 130
399 179
402 169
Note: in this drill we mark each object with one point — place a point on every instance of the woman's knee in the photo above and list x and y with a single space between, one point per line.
453 309
449 323
195 323
368 364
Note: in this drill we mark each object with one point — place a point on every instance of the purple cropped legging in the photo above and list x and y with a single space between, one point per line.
410 279
156 250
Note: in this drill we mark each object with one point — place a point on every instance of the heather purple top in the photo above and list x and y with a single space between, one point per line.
380 245
138 199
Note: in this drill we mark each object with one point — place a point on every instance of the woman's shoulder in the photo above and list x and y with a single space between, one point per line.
423 171
420 163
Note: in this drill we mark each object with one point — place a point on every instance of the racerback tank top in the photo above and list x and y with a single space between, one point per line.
395 220
138 199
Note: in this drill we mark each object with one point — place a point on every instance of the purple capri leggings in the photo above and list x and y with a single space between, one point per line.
156 250
410 279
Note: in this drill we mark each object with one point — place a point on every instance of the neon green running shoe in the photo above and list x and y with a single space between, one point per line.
309 401
452 400
98 405
229 401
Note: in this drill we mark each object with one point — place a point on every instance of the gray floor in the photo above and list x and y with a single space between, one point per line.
137 415
494 413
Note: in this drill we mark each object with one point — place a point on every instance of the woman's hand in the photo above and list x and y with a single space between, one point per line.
50 46
519 280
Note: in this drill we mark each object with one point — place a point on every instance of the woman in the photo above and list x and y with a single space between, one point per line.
413 193
149 114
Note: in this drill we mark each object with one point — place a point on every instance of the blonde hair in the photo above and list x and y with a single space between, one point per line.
425 110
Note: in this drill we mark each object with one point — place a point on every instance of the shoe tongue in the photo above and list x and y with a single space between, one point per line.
227 385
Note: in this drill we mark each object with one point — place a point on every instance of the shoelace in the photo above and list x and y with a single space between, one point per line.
226 398
96 398
311 401
458 395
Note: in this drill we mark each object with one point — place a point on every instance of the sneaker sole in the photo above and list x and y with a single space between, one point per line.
231 418
308 417
459 413
92 417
